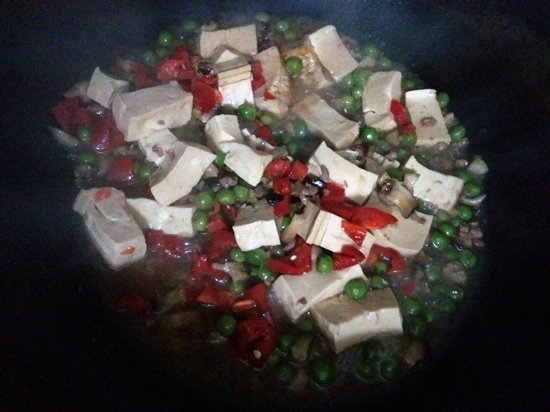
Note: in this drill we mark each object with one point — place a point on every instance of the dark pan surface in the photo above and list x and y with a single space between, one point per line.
60 350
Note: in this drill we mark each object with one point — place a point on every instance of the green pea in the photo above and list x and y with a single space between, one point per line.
347 101
447 306
417 327
241 193
267 119
382 146
294 65
439 240
412 306
300 128
293 148
86 157
284 372
401 154
145 170
464 175
285 342
442 99
450 253
226 325
286 138
365 369
225 196
356 288
433 273
322 372
149 58
200 220
372 350
464 212
408 139
360 77
409 83
467 258
356 92
263 17
189 25
247 112
456 293
264 273
83 134
204 201
390 369
369 135
277 251
347 81
471 189
379 268
254 270
448 229
378 282
282 26
384 63
236 255
255 256
236 288
285 222
370 50
441 216
456 221
219 160
457 132
165 38
440 289
395 173
324 263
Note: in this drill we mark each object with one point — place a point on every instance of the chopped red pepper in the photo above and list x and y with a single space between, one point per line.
106 136
348 257
209 294
254 339
84 117
407 128
64 113
142 81
399 113
229 213
344 210
173 69
396 261
281 185
269 96
258 293
180 53
372 218
202 267
256 69
333 193
356 232
216 223
282 207
121 170
298 171
133 303
277 168
102 194
221 243
205 97
208 79
264 133
296 263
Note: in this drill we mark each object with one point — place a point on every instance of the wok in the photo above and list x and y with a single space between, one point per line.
61 349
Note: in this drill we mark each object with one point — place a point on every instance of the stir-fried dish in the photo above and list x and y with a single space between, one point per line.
276 200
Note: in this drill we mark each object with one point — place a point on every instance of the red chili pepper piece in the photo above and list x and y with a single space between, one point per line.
122 170
282 207
296 263
407 128
333 193
209 294
133 303
64 113
298 171
216 223
372 218
254 339
344 210
204 96
84 117
281 185
399 113
258 293
180 53
277 168
356 232
256 69
257 83
269 96
396 261
348 257
173 69
142 81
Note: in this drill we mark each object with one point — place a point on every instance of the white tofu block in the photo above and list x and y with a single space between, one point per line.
247 163
426 116
357 182
102 88
273 106
346 322
172 220
180 171
224 54
332 52
237 93
433 187
312 76
277 80
408 235
156 145
243 39
120 240
140 113
255 226
338 131
221 130
297 294
380 90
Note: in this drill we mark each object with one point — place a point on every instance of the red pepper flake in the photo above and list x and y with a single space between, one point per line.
102 194
282 207
128 251
355 232
269 96
349 256
277 168
254 339
281 185
396 261
122 170
399 113
298 171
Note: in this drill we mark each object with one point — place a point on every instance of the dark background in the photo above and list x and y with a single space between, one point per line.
60 351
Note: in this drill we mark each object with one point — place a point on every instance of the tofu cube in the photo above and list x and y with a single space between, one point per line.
234 77
103 88
243 39
312 75
221 130
427 117
156 145
332 53
338 131
433 187
255 226
140 113
297 294
111 227
357 182
380 90
273 106
277 80
172 220
346 322
180 171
